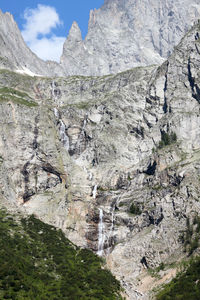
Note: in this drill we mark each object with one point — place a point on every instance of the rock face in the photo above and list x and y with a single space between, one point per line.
16 56
122 34
127 33
112 160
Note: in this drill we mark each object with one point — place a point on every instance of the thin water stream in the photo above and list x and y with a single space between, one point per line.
101 233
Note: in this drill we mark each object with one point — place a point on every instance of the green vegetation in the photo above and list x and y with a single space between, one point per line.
83 105
167 139
135 209
157 187
121 204
102 189
190 237
129 177
39 263
6 90
155 272
15 96
185 286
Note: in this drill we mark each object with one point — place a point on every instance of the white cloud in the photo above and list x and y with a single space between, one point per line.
37 32
48 48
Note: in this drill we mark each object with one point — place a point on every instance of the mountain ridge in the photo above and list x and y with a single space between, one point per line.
113 160
118 38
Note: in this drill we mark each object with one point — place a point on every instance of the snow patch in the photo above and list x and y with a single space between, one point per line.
27 72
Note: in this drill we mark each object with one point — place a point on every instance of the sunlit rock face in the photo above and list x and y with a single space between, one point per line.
113 161
121 35
125 34
16 56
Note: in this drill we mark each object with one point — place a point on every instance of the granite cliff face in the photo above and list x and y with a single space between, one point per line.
127 33
121 35
82 153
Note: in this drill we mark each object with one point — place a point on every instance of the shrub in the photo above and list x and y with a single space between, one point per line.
190 237
167 139
135 209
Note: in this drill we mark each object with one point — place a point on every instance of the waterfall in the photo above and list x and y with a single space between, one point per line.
64 137
105 233
101 235
56 113
84 125
90 176
94 192
53 90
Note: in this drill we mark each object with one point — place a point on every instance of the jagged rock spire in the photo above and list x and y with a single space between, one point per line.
120 37
74 33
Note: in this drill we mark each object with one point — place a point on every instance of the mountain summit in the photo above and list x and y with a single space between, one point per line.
125 34
113 161
121 35
15 54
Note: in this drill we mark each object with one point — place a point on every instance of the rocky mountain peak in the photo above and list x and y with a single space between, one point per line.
15 54
119 38
111 160
72 43
124 34
74 33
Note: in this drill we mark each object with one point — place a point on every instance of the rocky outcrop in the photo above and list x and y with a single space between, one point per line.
113 161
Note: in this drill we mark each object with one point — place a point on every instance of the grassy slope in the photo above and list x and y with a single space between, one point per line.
15 96
38 262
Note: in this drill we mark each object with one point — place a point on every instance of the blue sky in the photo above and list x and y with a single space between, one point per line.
45 24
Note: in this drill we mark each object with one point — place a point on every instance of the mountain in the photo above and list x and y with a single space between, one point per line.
111 160
123 34
16 56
